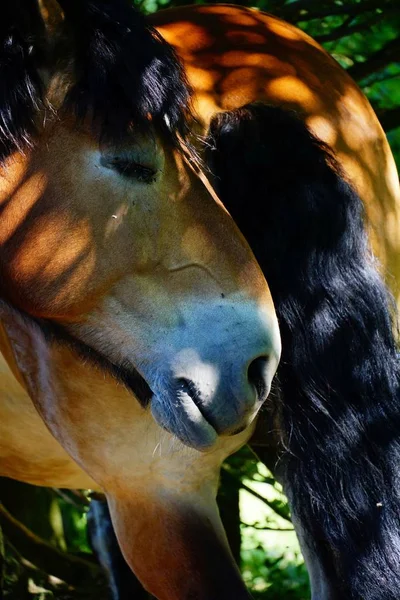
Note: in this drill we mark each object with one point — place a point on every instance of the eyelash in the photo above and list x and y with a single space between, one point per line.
134 170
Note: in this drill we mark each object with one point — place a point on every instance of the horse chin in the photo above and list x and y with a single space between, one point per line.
177 548
187 423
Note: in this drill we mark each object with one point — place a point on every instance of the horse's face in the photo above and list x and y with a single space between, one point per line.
121 250
151 277
127 250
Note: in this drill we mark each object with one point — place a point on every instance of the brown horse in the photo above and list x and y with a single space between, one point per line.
138 334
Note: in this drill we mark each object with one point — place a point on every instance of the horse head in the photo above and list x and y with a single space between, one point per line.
123 267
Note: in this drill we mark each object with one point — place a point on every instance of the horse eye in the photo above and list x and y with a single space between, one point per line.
133 170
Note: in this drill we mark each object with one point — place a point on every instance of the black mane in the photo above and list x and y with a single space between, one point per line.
20 85
339 374
123 73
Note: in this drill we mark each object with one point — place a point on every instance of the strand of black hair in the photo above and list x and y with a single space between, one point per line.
20 89
339 412
125 73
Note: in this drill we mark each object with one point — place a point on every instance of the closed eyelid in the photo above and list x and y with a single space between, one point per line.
140 151
131 169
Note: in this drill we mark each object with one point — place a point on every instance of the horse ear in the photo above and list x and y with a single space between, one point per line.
20 89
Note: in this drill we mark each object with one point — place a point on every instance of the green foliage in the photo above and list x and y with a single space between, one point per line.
74 524
272 577
37 558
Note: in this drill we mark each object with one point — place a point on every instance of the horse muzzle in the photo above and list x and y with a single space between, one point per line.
217 387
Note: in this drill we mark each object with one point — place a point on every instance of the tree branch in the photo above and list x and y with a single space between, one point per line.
306 10
390 52
259 527
271 505
73 497
340 32
76 571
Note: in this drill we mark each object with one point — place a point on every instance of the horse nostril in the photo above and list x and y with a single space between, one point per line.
257 374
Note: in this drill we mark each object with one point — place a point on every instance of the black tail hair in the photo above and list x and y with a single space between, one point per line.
125 72
339 372
20 89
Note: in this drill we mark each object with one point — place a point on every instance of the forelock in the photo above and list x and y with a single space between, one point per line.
119 72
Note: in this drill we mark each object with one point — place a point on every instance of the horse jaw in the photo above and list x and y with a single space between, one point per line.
176 545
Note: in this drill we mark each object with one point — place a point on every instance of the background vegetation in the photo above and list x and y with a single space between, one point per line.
48 556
